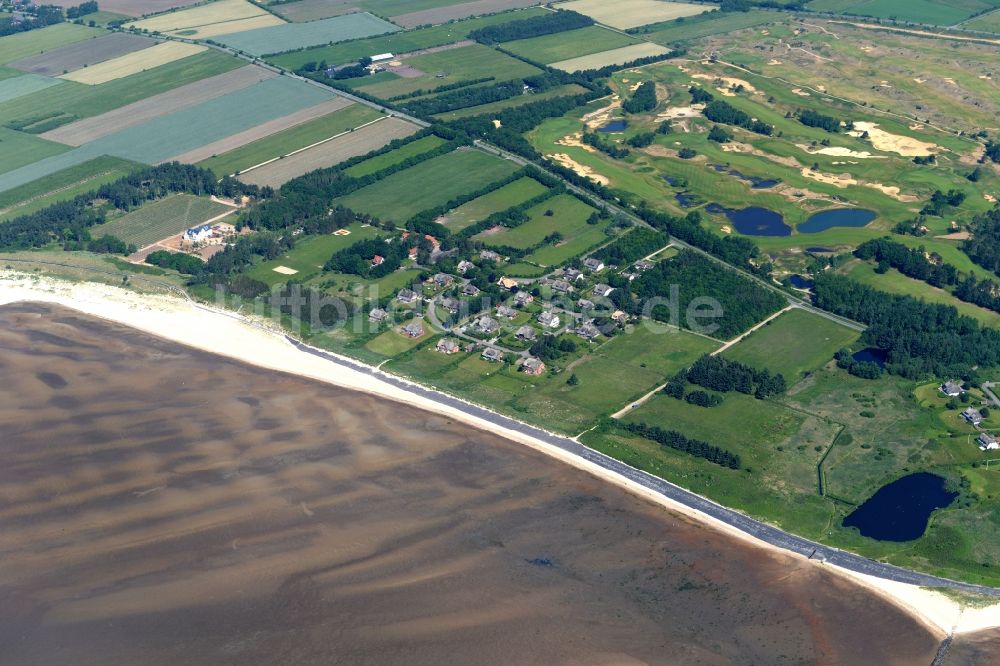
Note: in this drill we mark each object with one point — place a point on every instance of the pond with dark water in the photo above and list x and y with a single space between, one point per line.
757 221
871 355
836 217
614 126
900 510
800 282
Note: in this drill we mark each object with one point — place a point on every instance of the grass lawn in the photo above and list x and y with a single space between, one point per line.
506 197
797 342
569 217
385 160
895 282
290 139
19 149
428 184
62 186
703 25
392 342
309 255
157 220
569 44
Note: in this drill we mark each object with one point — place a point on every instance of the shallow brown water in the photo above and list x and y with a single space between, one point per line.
160 505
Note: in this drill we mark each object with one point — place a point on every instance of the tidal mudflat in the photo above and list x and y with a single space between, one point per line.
161 505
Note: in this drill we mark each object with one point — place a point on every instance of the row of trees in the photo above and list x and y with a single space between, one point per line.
606 146
912 262
723 375
920 338
812 118
677 441
723 112
634 245
536 26
466 97
941 202
40 17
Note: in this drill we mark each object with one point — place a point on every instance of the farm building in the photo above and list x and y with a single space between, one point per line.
382 57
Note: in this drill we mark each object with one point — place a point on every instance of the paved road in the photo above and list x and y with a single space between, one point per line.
767 533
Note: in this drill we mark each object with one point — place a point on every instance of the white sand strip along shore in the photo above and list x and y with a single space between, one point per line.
261 344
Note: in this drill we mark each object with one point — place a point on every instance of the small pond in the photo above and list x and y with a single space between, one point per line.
900 510
800 282
871 355
715 209
818 249
687 200
836 217
756 182
614 126
757 221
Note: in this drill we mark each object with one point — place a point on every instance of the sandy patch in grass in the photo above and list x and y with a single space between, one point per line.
906 146
800 92
284 270
891 191
990 198
839 151
133 63
958 235
774 61
497 123
575 140
692 111
842 181
728 80
600 116
582 170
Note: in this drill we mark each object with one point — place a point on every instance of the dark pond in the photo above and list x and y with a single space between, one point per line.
871 355
837 217
757 221
687 200
673 181
715 209
900 510
800 282
818 249
756 182
614 126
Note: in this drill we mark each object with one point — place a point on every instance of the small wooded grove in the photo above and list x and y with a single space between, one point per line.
536 26
723 375
68 222
634 245
643 100
920 338
675 440
693 276
984 245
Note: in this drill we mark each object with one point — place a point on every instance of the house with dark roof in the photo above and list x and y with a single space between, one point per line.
951 389
572 275
486 324
588 331
643 265
470 289
973 416
490 255
377 315
603 290
523 298
987 442
465 266
443 279
548 319
413 330
451 304
406 296
562 286
448 346
526 333
506 311
492 354
593 264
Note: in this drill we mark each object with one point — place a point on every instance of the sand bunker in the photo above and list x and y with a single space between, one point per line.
580 169
843 180
839 151
773 61
990 198
497 123
958 235
800 92
891 191
600 116
692 111
728 80
575 141
284 270
906 146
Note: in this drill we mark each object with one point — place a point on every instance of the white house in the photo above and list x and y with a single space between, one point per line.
987 442
198 234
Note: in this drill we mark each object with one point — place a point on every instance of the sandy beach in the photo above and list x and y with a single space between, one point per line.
258 343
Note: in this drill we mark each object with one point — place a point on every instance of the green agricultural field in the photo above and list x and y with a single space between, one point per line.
309 255
895 282
496 107
160 219
987 23
569 217
703 25
401 42
62 186
290 140
428 184
292 36
793 344
444 67
12 87
509 195
19 149
22 45
71 101
917 11
385 160
569 44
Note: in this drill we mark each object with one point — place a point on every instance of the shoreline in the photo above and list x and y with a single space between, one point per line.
257 344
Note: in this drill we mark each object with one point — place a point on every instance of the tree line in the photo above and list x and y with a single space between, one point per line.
550 23
677 441
636 244
643 100
723 375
